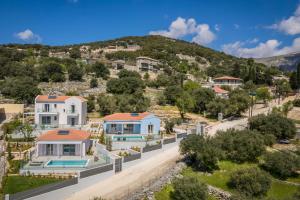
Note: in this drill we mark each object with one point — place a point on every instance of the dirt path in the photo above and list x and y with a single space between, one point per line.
132 178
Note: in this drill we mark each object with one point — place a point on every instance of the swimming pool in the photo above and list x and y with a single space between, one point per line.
127 138
67 163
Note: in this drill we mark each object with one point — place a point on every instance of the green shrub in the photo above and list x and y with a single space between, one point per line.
296 102
188 188
281 164
240 146
250 182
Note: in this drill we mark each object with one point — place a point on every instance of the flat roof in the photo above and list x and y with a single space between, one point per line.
227 78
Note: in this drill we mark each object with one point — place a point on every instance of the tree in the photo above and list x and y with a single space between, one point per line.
188 188
91 103
200 152
126 85
124 73
263 94
184 103
146 76
75 53
51 71
23 89
202 97
293 81
274 124
100 70
135 102
93 83
107 104
218 105
26 130
281 164
298 76
282 88
240 145
189 86
172 93
251 182
239 102
75 72
169 125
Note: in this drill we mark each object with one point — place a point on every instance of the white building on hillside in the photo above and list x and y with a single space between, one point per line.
60 111
147 64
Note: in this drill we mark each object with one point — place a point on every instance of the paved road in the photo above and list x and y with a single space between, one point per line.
242 122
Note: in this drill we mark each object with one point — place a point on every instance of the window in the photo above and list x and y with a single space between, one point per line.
55 118
49 149
69 149
55 105
150 128
46 107
46 120
128 128
72 108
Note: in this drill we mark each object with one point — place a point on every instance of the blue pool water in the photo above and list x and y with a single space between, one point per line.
66 163
127 138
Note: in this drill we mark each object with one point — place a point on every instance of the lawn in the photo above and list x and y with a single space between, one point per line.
14 184
219 178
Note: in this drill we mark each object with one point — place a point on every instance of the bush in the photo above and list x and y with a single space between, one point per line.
188 188
240 146
275 124
250 182
93 83
100 70
296 102
200 152
281 164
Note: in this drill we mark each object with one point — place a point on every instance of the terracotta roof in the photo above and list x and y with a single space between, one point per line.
227 78
219 90
126 116
64 135
50 98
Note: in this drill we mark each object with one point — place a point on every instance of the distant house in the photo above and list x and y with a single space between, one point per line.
63 142
228 80
220 92
131 126
60 111
146 64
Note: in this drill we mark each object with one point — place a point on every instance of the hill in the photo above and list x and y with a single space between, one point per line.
285 62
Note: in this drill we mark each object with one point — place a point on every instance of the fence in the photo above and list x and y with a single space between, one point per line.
97 170
132 157
43 189
169 140
118 165
152 148
181 135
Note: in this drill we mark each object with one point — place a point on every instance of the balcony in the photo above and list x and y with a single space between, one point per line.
47 111
72 112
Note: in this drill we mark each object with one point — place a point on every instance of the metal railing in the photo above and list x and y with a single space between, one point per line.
50 110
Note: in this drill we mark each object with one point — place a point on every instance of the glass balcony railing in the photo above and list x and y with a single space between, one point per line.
50 110
74 112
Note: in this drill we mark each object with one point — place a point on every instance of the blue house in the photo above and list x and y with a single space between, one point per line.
131 126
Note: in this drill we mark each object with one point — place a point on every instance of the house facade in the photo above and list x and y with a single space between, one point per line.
228 81
220 92
145 64
63 142
131 126
60 111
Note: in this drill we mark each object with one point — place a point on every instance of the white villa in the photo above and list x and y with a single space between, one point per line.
63 142
228 80
60 111
147 64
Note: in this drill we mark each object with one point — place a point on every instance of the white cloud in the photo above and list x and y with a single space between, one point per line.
217 27
28 36
182 27
267 49
236 26
291 25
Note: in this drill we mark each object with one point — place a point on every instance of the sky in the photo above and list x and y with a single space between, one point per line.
244 28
